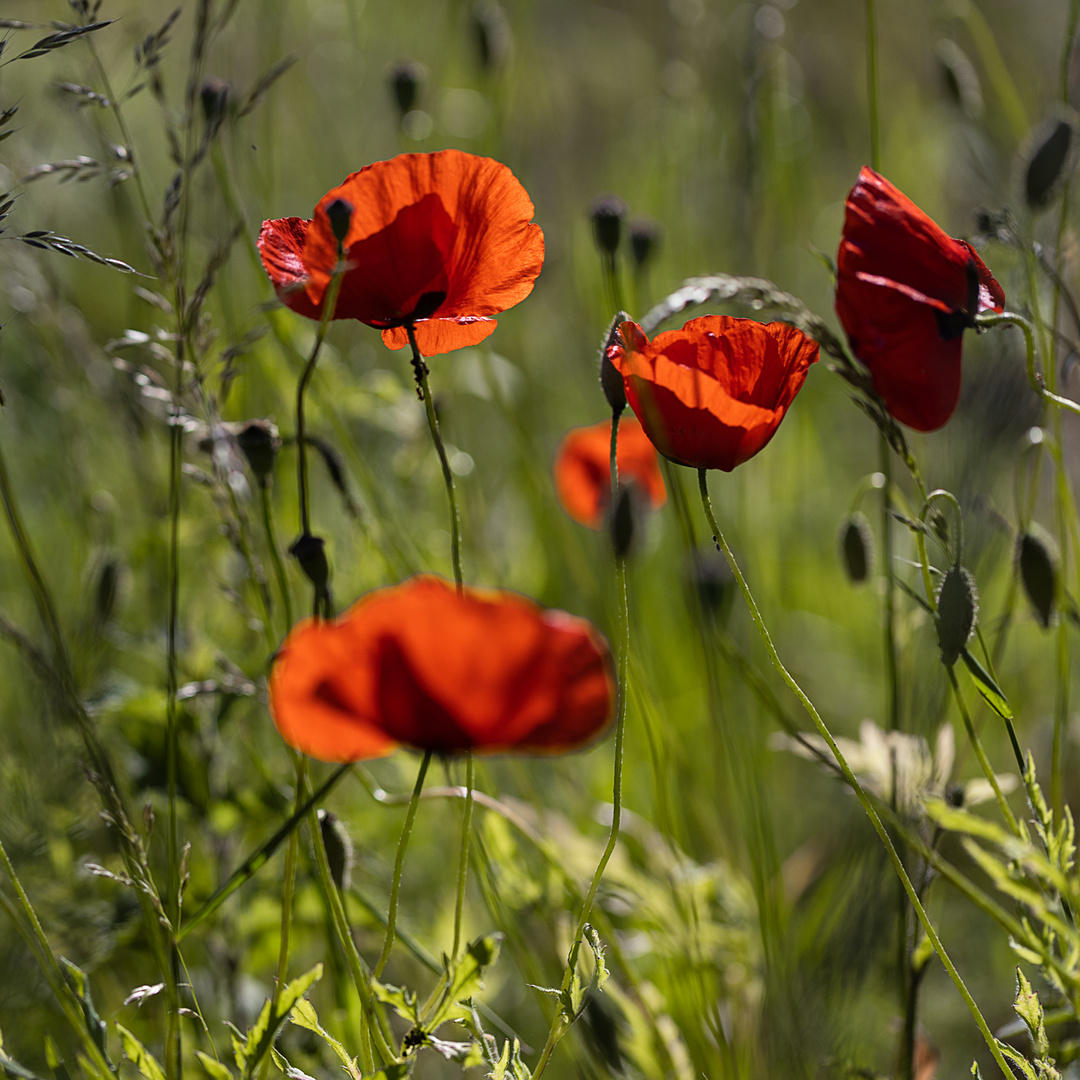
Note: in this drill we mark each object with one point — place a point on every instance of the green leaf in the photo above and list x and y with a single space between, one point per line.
462 980
510 1066
12 1068
303 1015
138 1055
991 693
290 1071
261 1037
1028 1007
1017 1058
55 1061
80 986
214 1068
400 998
398 1071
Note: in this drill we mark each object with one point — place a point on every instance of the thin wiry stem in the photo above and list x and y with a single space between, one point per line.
851 779
872 86
420 372
399 864
463 861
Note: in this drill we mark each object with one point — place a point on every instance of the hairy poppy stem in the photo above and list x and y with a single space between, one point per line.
463 862
421 372
852 780
872 86
399 863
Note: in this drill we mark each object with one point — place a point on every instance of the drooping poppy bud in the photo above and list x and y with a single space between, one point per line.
608 215
644 241
958 611
1038 560
214 98
405 79
339 848
339 213
713 583
856 547
492 34
259 442
1047 158
310 552
610 380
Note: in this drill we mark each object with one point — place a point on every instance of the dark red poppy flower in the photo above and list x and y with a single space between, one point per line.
905 292
583 469
442 241
712 394
421 665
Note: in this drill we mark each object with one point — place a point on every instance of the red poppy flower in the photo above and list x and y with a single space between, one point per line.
420 665
442 241
905 292
712 394
583 469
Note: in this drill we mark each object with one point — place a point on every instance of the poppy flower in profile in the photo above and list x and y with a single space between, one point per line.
905 292
423 666
583 469
712 394
442 241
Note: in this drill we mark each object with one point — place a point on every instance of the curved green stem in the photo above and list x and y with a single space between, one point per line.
851 779
399 863
275 555
420 371
463 862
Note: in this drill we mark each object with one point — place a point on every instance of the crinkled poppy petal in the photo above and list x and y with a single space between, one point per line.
423 666
317 707
437 336
281 246
582 469
712 394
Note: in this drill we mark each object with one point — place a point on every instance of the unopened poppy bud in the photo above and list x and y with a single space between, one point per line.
259 442
491 32
611 382
608 214
644 241
406 78
310 552
856 547
960 78
1049 157
339 848
106 588
214 98
1037 556
623 522
958 611
713 582
340 213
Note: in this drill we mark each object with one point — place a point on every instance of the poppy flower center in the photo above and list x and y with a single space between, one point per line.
952 324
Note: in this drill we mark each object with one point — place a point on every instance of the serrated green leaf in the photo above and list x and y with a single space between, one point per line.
263 1032
290 1071
991 693
509 1064
463 978
1028 1007
213 1068
400 998
138 1055
398 1071
1018 1059
600 972
303 1015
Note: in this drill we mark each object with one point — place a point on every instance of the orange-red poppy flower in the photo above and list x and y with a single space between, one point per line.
905 292
583 469
712 394
421 665
442 241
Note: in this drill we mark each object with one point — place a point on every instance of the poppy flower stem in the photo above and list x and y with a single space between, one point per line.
852 780
892 683
872 86
463 862
399 862
423 388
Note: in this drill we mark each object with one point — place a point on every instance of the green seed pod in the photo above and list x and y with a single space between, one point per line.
856 547
1038 559
958 611
339 848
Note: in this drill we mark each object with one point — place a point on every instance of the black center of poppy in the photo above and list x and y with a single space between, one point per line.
952 324
428 304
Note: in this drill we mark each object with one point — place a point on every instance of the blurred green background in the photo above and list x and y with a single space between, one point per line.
738 129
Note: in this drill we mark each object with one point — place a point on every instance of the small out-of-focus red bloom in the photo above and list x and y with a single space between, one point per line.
421 665
442 241
583 469
712 394
905 292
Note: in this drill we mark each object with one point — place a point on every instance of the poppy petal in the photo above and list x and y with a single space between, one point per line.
437 336
281 245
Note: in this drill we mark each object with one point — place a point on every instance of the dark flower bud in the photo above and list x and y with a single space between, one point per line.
856 547
405 78
1037 556
644 241
611 382
310 552
713 582
259 442
491 32
608 214
339 848
106 587
960 78
340 213
1047 159
603 1032
958 611
954 793
214 98
624 521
